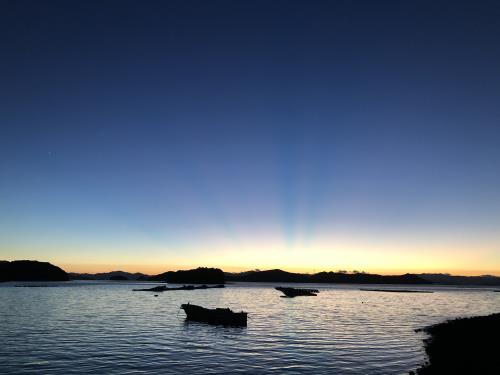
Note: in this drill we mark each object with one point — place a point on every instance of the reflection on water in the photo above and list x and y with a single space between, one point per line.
99 327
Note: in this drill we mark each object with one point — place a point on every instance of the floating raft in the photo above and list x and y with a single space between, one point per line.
163 288
295 292
214 316
396 290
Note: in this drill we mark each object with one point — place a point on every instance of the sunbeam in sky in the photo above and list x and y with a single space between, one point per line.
252 135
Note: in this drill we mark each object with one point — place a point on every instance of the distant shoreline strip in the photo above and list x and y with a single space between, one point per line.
396 290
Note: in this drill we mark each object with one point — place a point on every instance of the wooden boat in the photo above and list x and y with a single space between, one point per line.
294 292
163 288
214 316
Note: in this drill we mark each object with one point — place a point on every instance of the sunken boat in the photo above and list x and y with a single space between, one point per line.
295 292
216 316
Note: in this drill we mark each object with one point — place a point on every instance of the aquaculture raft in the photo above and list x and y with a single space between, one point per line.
164 288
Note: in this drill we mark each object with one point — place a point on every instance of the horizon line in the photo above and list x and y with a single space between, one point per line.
156 269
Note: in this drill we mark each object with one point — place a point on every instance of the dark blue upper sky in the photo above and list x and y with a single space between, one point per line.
236 129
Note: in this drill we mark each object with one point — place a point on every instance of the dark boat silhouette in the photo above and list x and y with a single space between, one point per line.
214 316
294 292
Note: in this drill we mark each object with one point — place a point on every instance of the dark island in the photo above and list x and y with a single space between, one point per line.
201 275
463 346
30 270
324 277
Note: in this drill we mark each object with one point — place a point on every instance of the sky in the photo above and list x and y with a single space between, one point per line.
302 135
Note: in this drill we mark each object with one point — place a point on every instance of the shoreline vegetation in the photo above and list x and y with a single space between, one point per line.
462 346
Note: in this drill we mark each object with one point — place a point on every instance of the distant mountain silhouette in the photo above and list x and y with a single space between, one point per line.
118 278
281 276
200 275
447 279
113 275
31 270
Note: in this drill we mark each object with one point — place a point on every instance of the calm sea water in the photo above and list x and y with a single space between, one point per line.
105 328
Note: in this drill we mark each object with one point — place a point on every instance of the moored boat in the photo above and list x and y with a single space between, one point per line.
294 292
216 316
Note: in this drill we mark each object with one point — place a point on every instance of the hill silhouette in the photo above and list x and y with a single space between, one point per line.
201 275
447 279
281 276
118 278
31 270
113 275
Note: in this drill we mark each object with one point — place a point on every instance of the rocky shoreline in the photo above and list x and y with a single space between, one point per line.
462 346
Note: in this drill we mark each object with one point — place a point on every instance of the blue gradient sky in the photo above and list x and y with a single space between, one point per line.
302 135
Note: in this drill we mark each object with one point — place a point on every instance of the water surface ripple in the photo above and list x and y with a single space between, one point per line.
105 328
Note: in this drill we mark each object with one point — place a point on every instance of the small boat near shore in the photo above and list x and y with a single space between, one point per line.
216 316
295 292
164 288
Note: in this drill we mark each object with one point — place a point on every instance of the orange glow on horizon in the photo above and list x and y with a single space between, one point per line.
333 253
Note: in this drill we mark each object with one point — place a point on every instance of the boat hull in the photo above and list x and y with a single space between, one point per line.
294 292
214 316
